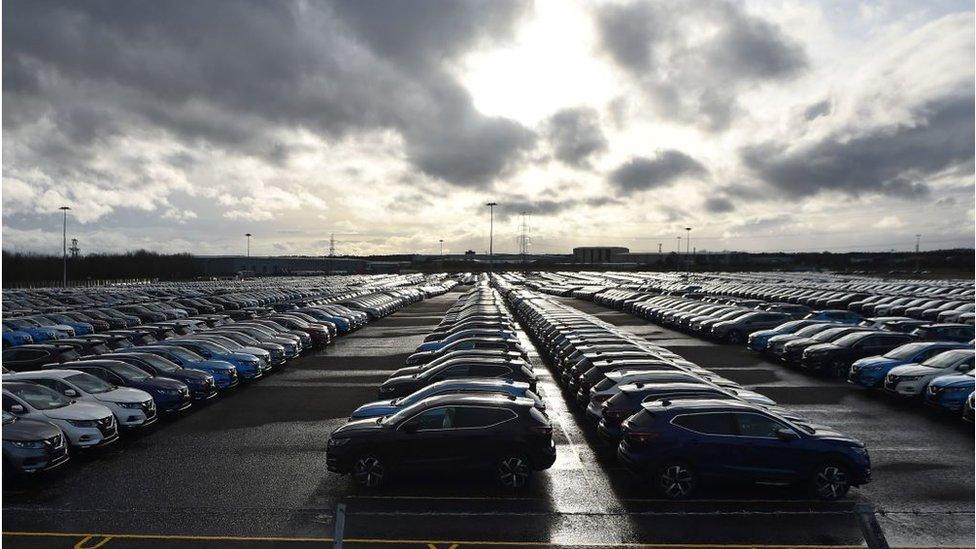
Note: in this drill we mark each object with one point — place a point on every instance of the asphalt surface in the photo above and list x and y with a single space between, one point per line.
249 471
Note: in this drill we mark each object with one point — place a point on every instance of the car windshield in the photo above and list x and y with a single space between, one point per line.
828 335
159 362
39 397
184 354
226 342
811 330
403 414
943 360
212 347
905 352
17 323
129 372
89 383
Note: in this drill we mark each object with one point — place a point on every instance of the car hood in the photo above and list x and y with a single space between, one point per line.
823 432
255 351
408 371
398 381
78 411
374 409
159 383
419 356
242 355
784 338
821 348
945 381
765 333
914 370
29 429
123 394
358 427
877 362
213 365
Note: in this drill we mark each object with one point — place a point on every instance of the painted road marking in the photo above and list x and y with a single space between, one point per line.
92 542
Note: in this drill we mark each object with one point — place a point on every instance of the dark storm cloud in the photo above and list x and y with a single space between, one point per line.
718 204
546 207
576 135
817 110
230 73
640 173
893 161
690 79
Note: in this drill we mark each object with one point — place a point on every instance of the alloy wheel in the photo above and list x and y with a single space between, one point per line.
677 481
831 482
368 471
513 472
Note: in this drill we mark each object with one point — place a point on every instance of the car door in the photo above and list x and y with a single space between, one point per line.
424 440
478 434
767 458
712 445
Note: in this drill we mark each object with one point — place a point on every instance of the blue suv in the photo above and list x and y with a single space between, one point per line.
225 374
871 371
835 315
759 340
950 392
680 445
248 366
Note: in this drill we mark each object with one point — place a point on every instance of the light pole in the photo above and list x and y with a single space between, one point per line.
491 235
248 248
688 246
64 246
442 246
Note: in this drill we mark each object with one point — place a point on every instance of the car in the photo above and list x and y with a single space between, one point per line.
911 380
13 338
31 446
446 387
945 332
790 351
170 396
758 340
34 356
613 380
967 410
202 385
473 344
835 315
38 332
248 366
224 373
680 445
951 393
836 356
506 435
433 345
87 425
738 330
133 409
871 371
403 385
906 326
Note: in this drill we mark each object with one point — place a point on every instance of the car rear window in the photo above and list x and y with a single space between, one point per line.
711 423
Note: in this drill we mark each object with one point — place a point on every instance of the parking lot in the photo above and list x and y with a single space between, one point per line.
250 471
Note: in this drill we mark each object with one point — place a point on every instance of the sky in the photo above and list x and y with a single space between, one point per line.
786 125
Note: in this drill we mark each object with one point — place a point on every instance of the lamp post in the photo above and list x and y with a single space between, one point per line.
442 247
491 235
64 246
248 248
688 246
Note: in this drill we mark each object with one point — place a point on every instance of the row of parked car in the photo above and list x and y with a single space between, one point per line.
467 399
904 357
675 424
84 392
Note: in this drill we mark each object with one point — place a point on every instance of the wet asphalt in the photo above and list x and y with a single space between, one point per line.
249 470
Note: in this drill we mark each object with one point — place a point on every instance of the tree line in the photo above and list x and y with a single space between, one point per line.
32 268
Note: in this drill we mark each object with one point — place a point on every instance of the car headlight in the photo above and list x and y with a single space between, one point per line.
909 378
170 392
27 443
860 450
957 389
336 442
386 389
130 405
83 422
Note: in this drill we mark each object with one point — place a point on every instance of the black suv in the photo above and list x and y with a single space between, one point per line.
506 435
31 357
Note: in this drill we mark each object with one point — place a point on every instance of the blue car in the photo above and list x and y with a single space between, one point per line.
950 392
38 333
679 445
450 386
13 338
759 340
342 324
871 371
80 328
170 395
225 373
248 366
835 315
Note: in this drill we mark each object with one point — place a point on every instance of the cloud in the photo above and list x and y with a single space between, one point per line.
641 173
692 59
575 135
546 207
718 204
817 110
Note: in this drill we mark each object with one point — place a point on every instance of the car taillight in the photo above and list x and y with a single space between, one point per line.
641 437
600 398
617 414
542 429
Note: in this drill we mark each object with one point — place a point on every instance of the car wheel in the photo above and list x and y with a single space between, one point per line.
513 472
368 471
675 481
830 482
734 337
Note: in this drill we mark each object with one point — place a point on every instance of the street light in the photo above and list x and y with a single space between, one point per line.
491 234
248 248
442 246
64 246
688 246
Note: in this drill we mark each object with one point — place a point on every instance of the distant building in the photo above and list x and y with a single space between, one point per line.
599 254
227 265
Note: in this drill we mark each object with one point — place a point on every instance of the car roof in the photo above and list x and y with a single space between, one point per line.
478 399
58 373
705 404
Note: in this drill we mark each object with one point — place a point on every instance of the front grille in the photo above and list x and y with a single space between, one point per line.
107 425
53 442
184 391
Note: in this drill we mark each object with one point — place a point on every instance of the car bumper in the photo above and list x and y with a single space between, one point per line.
902 389
865 378
30 462
610 433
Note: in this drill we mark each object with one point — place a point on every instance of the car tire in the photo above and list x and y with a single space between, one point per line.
513 471
369 471
735 337
675 480
830 481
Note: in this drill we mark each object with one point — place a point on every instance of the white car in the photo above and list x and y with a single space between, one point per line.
86 424
911 379
132 408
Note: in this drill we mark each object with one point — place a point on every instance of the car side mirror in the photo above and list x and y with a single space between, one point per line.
786 434
410 427
70 393
17 409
